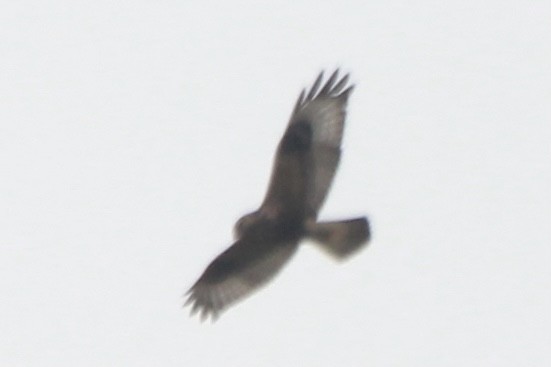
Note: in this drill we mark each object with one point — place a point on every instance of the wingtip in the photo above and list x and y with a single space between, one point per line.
330 82
201 305
314 89
300 100
332 87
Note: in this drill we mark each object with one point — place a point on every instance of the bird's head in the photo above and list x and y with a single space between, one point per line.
245 223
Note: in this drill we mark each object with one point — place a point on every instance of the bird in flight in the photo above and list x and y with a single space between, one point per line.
304 166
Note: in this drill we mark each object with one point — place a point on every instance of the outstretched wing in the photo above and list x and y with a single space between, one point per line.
236 273
325 111
309 152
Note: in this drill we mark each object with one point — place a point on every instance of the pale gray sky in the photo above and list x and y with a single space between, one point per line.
133 134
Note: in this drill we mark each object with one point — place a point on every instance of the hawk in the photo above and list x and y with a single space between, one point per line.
305 163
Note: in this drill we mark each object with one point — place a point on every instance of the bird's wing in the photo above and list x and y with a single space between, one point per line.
325 110
237 272
309 151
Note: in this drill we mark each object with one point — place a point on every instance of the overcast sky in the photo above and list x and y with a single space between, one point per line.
133 134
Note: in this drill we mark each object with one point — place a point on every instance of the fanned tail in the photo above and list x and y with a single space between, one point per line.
341 238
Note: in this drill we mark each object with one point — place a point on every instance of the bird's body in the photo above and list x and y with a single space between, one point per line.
305 164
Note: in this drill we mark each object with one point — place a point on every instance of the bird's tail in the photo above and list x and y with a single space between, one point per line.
340 238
